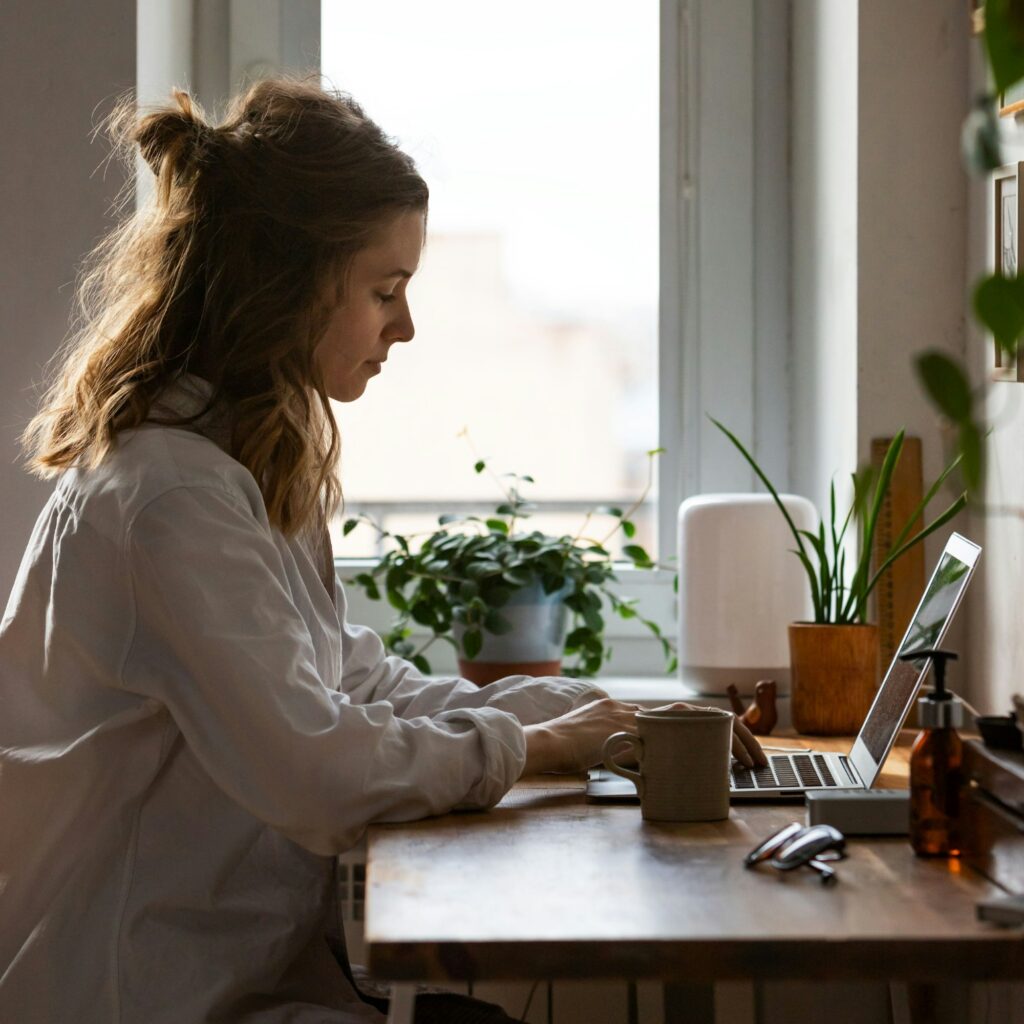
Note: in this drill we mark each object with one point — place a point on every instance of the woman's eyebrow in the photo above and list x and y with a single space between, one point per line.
398 272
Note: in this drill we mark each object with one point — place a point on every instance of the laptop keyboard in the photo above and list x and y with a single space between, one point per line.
785 771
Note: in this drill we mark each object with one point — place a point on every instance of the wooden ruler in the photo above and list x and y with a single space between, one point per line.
900 589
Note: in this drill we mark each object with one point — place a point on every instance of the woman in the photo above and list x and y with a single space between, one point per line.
190 730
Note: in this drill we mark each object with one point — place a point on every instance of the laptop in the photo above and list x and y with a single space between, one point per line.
792 774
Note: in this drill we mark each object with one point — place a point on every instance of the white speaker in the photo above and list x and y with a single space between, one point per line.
739 588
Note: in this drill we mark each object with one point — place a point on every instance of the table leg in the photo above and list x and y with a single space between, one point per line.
946 1002
929 1002
723 1002
402 1004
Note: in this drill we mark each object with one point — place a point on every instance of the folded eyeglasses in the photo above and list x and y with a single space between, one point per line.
795 846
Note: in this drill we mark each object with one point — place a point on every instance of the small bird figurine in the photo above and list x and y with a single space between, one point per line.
762 715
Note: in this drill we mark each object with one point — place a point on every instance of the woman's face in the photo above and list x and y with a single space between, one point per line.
375 311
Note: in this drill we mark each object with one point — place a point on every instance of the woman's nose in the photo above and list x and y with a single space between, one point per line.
403 329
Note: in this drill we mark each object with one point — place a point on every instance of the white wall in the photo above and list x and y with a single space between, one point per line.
63 63
912 213
996 637
824 245
912 233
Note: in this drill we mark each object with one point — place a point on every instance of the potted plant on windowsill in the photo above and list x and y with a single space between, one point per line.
510 600
834 660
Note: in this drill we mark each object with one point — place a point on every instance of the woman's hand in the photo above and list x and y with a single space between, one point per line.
573 742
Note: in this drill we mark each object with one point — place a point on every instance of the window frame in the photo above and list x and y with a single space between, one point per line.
724 218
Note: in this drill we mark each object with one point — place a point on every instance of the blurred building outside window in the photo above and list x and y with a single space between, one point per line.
536 127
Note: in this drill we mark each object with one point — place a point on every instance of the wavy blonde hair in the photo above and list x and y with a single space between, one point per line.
231 272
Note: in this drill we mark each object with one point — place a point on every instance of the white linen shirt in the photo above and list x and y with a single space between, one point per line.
189 733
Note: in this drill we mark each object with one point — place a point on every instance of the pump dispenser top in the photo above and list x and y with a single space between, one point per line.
937 709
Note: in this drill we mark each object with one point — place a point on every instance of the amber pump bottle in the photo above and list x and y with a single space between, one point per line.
935 765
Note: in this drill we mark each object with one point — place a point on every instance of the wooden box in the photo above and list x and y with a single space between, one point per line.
992 812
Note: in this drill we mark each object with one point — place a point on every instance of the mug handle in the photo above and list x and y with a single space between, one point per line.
606 756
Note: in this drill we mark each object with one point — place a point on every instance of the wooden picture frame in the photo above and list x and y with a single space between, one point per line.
1008 213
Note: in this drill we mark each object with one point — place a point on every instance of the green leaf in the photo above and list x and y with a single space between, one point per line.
396 578
637 555
423 613
421 663
518 577
369 584
505 510
576 639
447 518
1004 41
938 522
477 570
609 510
495 622
480 465
628 528
999 305
472 641
350 525
656 451
972 453
552 582
397 600
946 385
498 525
495 594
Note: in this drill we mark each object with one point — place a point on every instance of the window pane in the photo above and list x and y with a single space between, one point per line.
536 128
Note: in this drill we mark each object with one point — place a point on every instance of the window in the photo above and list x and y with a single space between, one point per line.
536 126
608 261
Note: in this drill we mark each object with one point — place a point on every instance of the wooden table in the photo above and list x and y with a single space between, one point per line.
548 886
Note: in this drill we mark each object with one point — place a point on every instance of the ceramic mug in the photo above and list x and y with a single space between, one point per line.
683 757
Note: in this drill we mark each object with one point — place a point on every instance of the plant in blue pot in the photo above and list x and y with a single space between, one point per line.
511 600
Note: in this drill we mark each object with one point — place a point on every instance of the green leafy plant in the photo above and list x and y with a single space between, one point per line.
841 597
466 571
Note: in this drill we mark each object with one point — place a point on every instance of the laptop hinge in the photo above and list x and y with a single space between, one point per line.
850 773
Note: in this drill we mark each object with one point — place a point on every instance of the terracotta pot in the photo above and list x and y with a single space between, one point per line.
834 676
484 672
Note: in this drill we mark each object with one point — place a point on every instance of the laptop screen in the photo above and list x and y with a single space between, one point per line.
926 629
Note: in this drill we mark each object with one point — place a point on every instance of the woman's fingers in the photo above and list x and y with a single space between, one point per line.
580 734
745 746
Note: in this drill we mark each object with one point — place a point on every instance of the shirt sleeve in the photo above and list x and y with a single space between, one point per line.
220 642
373 675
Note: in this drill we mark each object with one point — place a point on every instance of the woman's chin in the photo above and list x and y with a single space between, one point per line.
347 393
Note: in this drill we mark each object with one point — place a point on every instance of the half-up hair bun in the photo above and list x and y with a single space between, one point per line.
232 271
171 138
